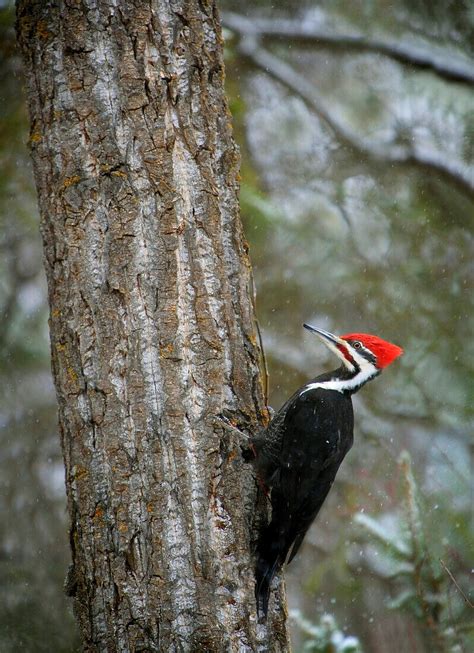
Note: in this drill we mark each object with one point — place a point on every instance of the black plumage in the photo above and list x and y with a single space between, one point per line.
299 453
298 456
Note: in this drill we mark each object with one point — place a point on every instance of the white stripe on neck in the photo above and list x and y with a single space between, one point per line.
366 372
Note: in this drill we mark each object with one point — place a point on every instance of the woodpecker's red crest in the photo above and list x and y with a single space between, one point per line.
385 352
362 354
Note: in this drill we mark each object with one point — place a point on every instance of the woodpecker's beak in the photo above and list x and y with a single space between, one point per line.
332 342
325 336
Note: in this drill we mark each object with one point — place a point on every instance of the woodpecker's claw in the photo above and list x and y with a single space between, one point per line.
248 453
224 423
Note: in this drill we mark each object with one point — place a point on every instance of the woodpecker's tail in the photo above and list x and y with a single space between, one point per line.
273 548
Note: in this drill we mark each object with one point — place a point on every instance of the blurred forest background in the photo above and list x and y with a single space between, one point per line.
356 126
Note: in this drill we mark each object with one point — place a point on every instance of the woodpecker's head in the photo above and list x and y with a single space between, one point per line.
363 355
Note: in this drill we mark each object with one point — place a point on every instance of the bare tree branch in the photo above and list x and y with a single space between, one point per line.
250 47
456 584
454 69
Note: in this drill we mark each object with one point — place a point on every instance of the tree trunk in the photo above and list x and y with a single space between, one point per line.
152 326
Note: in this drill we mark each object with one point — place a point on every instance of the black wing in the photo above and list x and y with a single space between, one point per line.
317 434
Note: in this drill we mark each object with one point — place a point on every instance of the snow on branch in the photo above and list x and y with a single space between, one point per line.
250 47
454 69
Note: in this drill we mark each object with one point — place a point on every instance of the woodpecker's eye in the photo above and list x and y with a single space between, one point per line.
357 345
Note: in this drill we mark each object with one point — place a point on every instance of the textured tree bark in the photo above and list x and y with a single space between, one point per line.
152 325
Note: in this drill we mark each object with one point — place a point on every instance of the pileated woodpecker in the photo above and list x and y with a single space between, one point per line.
299 453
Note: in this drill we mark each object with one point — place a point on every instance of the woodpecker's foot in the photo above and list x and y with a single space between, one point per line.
263 487
249 453
227 425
